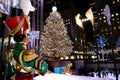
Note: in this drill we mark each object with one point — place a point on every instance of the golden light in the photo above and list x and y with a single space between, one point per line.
89 15
72 57
78 56
66 57
61 58
93 57
78 21
81 57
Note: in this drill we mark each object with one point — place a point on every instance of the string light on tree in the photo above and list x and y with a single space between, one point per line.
55 41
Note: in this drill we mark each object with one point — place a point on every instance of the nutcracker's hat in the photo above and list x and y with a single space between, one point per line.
18 24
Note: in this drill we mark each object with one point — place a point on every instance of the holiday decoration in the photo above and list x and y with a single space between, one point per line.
101 42
55 41
67 69
79 21
89 16
26 61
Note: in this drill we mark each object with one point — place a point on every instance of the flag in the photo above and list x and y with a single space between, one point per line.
5 7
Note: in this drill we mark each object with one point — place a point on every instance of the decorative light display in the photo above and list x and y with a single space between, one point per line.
89 16
101 42
54 39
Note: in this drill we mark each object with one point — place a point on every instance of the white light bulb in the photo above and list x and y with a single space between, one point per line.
54 8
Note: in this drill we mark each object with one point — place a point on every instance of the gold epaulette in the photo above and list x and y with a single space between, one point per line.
21 63
29 55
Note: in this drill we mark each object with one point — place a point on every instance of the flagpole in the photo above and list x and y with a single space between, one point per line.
41 24
2 47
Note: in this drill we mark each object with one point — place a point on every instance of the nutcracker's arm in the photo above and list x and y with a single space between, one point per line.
28 58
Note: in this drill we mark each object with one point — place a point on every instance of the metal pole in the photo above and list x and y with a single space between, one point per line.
2 47
41 23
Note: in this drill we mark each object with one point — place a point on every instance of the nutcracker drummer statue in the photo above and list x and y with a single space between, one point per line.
26 61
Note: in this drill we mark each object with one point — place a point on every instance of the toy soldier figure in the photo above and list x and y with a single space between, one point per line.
26 61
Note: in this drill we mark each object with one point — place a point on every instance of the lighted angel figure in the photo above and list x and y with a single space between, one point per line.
88 14
78 21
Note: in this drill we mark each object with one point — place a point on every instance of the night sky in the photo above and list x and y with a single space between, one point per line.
82 5
79 6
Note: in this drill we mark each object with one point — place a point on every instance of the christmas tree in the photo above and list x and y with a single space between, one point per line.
55 41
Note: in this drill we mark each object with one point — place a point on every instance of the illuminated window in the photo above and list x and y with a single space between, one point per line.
118 1
117 19
101 9
101 30
106 29
113 2
118 22
106 33
115 28
112 15
98 13
104 21
100 18
113 19
119 27
104 17
116 14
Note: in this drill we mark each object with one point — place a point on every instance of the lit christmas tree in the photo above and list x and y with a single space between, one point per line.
55 41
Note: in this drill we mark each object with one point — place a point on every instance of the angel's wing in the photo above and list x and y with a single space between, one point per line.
78 21
90 16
